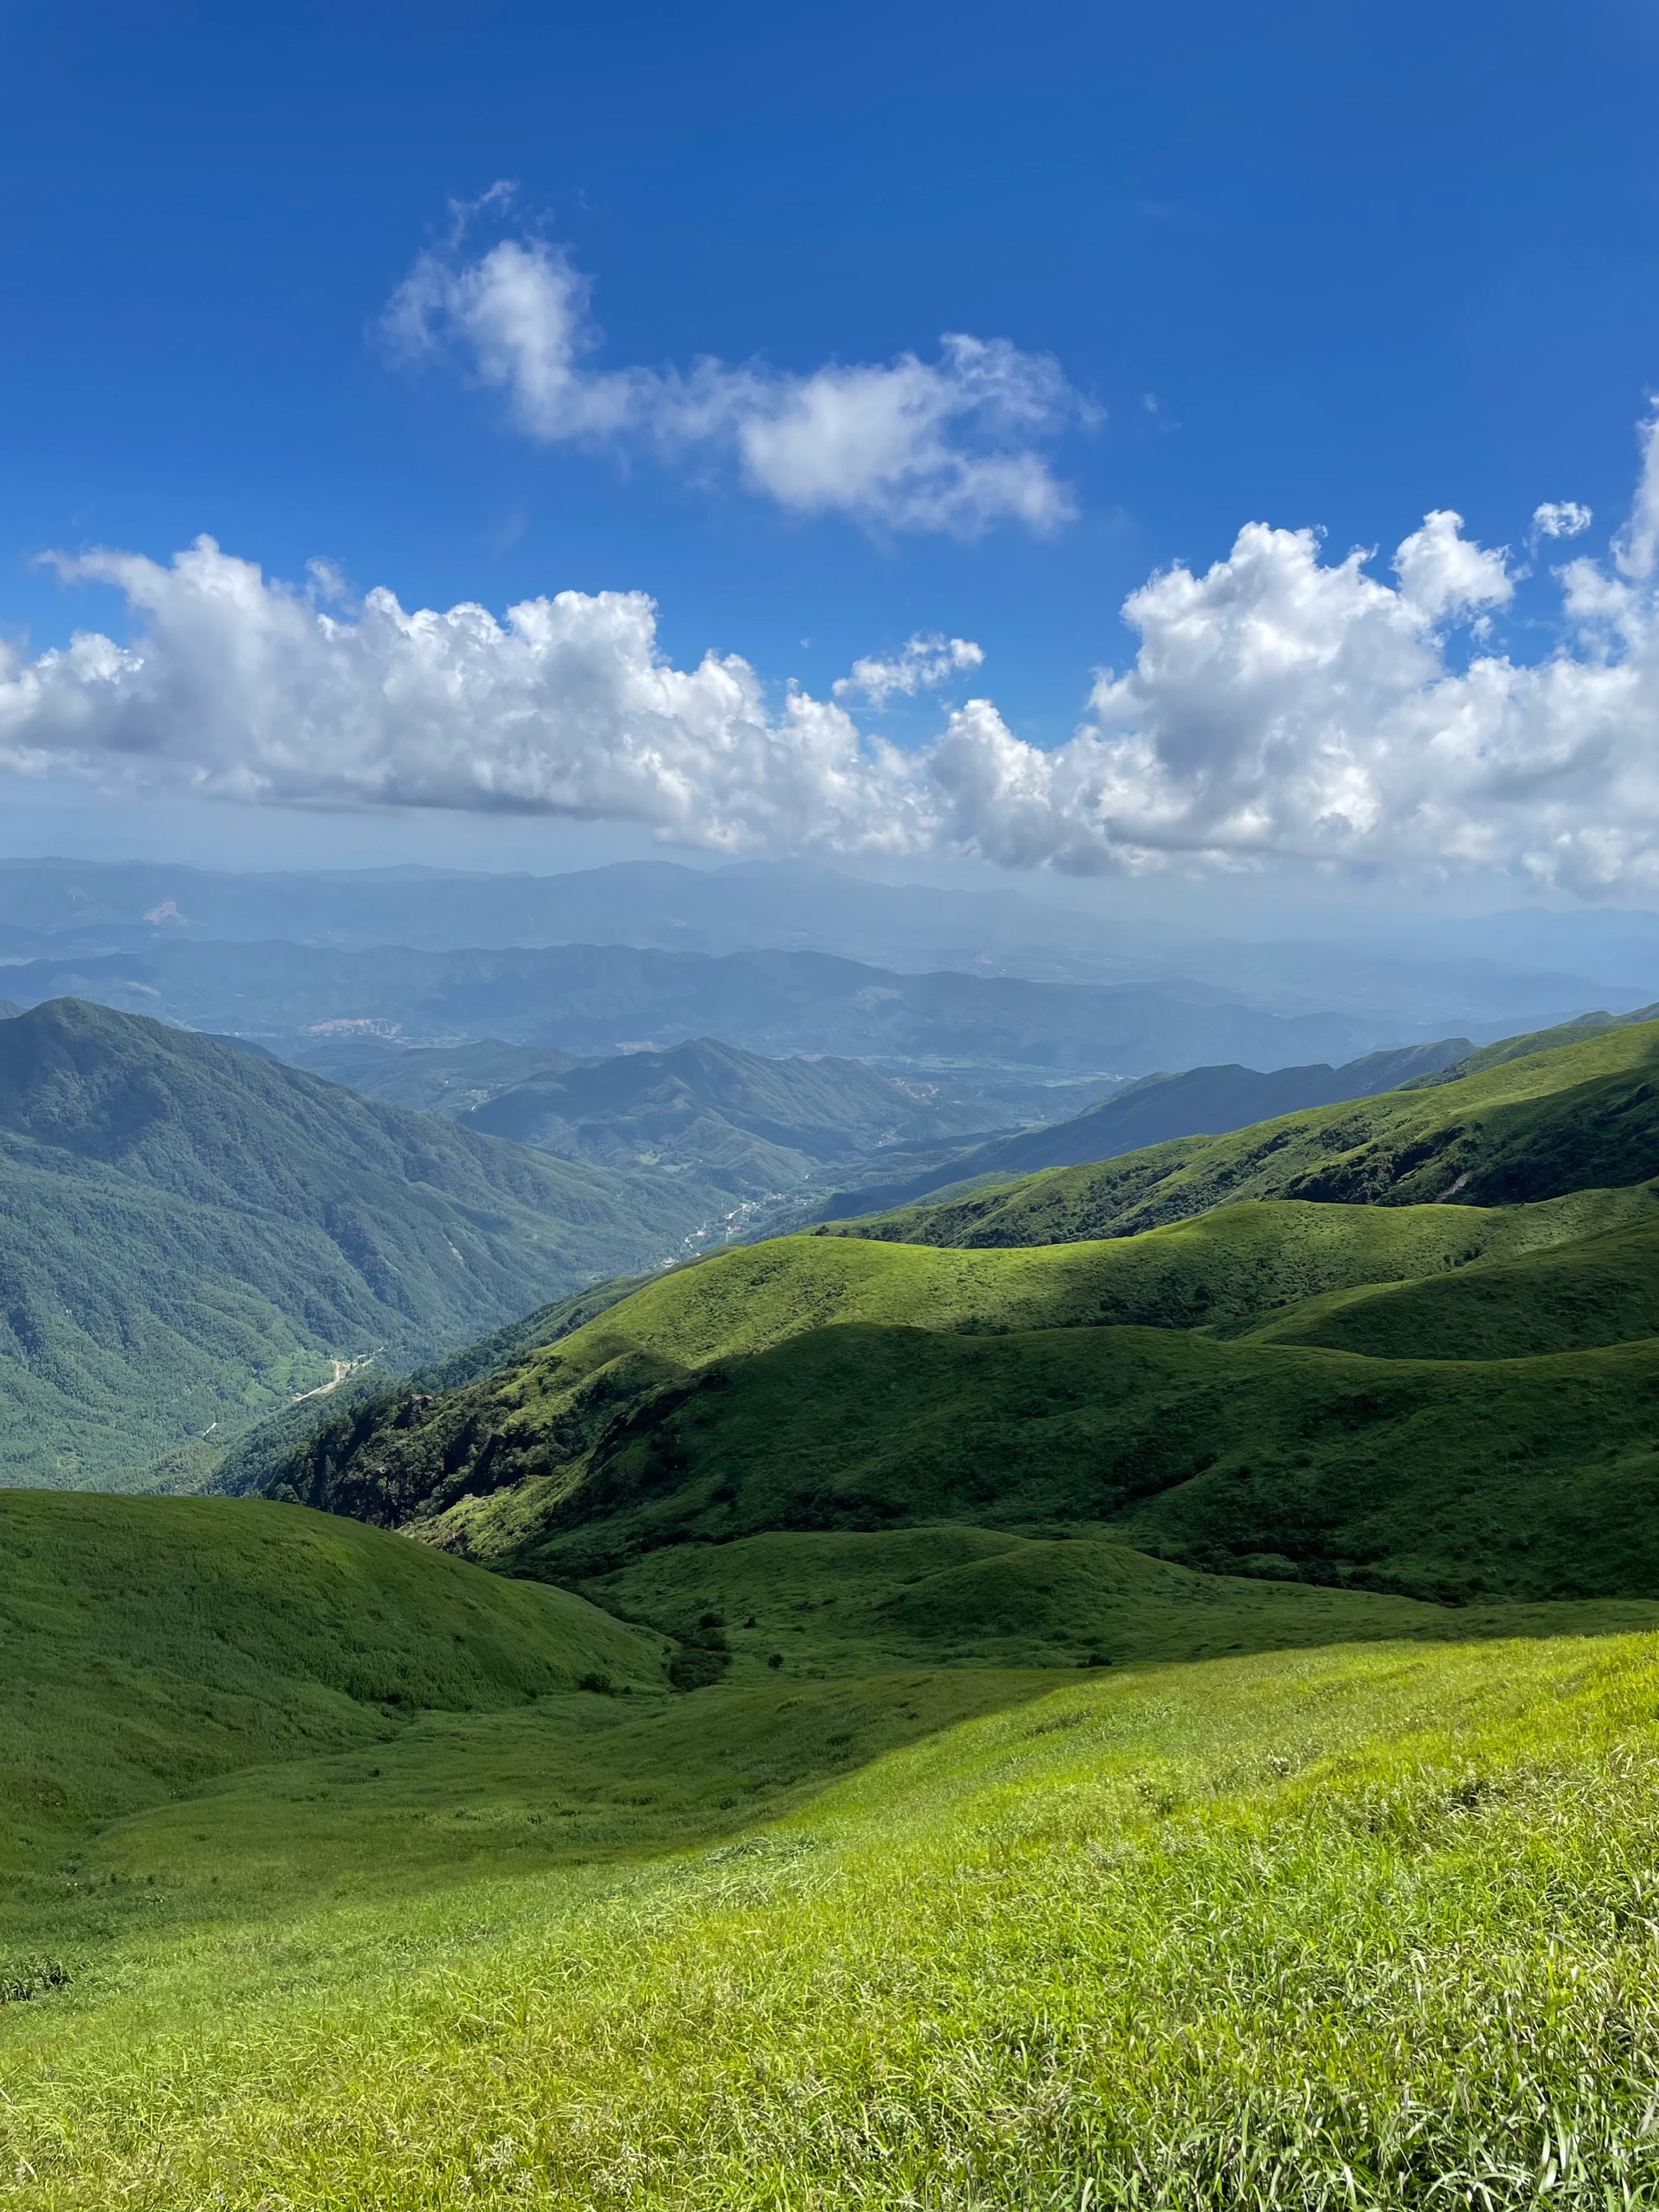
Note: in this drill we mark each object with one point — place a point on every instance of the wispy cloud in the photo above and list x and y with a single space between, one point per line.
1560 518
1281 705
956 444
921 664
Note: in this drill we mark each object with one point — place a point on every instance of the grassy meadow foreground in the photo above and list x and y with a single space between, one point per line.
1362 1925
1139 1687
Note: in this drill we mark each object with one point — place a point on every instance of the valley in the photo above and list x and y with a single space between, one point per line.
946 1691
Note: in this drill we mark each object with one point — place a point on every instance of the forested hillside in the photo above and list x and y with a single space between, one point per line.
772 1136
196 1233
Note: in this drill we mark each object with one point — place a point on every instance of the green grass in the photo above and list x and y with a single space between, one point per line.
1534 1477
1354 1927
791 1605
1003 1856
154 1643
1575 1116
570 1456
1440 1401
1585 1294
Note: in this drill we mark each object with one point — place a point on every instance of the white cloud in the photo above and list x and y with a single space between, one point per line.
1442 575
238 687
921 664
954 445
1637 544
1560 518
1281 706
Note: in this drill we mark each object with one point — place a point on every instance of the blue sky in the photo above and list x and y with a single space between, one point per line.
1304 266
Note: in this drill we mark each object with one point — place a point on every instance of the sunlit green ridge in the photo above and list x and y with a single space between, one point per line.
1161 1717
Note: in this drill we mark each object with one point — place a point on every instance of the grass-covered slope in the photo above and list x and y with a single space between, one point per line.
1199 1100
1520 1127
1176 1388
922 1821
153 1643
1593 1290
1369 1927
190 1232
791 1605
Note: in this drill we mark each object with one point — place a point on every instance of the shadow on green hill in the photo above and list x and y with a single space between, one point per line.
822 1605
1582 1295
604 1421
152 1644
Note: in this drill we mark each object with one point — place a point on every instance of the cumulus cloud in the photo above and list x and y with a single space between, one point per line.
953 444
921 664
239 687
1282 706
1443 576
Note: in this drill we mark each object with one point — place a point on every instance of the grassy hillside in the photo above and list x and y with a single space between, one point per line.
793 1607
1362 1926
1593 1290
152 1643
1485 1422
1533 1477
1526 1125
1164 1720
1440 1399
1159 1107
193 1232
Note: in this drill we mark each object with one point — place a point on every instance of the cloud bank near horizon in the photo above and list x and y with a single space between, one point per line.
1282 707
953 445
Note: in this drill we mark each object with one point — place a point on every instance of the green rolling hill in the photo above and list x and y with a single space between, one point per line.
1198 1101
1161 1718
1531 1119
1438 1399
154 1642
194 1233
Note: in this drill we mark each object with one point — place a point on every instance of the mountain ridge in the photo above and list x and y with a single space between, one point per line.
195 1231
1200 1101
1282 1377
1530 1118
601 998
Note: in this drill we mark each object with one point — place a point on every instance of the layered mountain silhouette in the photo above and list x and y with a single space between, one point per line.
592 997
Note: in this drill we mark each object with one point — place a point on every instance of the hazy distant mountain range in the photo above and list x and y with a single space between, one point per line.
603 998
1479 974
657 905
455 1079
732 1125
